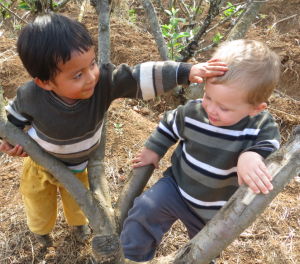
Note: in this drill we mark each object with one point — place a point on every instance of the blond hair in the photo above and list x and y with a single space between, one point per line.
252 65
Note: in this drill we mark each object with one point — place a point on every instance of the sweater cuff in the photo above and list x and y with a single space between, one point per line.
183 73
160 151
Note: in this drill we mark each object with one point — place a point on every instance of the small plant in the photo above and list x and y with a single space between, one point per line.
118 128
217 38
262 15
170 33
132 15
2 10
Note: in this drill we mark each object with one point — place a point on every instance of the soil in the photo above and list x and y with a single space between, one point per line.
273 238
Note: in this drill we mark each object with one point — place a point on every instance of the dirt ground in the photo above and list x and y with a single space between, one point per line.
273 238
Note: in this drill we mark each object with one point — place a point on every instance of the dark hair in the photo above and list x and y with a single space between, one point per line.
49 39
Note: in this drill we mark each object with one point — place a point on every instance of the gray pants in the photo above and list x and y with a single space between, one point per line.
152 215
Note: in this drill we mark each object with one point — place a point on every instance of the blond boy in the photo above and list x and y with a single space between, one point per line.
223 140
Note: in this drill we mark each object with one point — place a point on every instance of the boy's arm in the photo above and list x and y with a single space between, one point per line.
251 168
16 118
146 157
150 79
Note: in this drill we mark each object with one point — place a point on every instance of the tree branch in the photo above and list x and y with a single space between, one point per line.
242 209
14 14
132 188
156 30
60 5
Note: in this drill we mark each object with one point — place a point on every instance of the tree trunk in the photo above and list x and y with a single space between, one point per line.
156 30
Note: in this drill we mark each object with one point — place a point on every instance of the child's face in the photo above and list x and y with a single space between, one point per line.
77 78
226 105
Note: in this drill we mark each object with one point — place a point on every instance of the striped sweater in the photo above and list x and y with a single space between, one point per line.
71 133
204 164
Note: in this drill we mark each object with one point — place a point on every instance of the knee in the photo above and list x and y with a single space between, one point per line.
144 207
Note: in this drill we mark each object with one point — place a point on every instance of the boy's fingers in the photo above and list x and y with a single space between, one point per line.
249 181
265 179
24 155
261 181
265 171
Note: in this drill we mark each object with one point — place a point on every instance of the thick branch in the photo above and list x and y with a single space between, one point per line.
156 30
242 209
99 187
241 28
133 187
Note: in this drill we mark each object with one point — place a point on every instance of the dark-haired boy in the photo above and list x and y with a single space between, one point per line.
65 105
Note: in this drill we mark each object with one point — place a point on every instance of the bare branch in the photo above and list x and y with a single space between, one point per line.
60 5
223 21
14 14
242 209
133 187
82 10
156 30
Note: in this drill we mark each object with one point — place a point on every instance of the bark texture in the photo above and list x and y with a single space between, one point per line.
156 30
133 187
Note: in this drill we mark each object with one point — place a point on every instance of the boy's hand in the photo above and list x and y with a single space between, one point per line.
209 69
16 151
252 170
146 157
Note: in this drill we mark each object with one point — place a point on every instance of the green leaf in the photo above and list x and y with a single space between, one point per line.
166 26
182 20
24 6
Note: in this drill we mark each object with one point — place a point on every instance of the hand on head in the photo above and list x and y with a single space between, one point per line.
208 69
15 151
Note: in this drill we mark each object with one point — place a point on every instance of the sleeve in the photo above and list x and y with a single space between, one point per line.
268 138
147 80
16 112
168 132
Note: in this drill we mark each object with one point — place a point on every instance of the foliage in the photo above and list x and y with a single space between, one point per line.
230 9
118 128
169 32
217 38
132 15
6 4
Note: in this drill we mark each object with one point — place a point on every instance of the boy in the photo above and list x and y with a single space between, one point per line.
223 140
65 105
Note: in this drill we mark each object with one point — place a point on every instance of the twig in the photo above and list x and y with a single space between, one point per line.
31 250
292 116
82 10
260 235
280 21
19 163
223 21
11 215
13 13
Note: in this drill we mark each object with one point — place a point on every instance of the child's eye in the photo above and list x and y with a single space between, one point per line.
223 109
78 76
207 97
93 64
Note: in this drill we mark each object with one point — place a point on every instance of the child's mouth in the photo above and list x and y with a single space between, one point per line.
212 119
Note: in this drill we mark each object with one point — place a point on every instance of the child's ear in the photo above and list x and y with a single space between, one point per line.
47 85
257 109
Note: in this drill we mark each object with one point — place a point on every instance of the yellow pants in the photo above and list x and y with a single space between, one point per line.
39 192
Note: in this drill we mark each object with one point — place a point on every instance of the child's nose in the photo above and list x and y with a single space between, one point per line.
211 109
91 77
